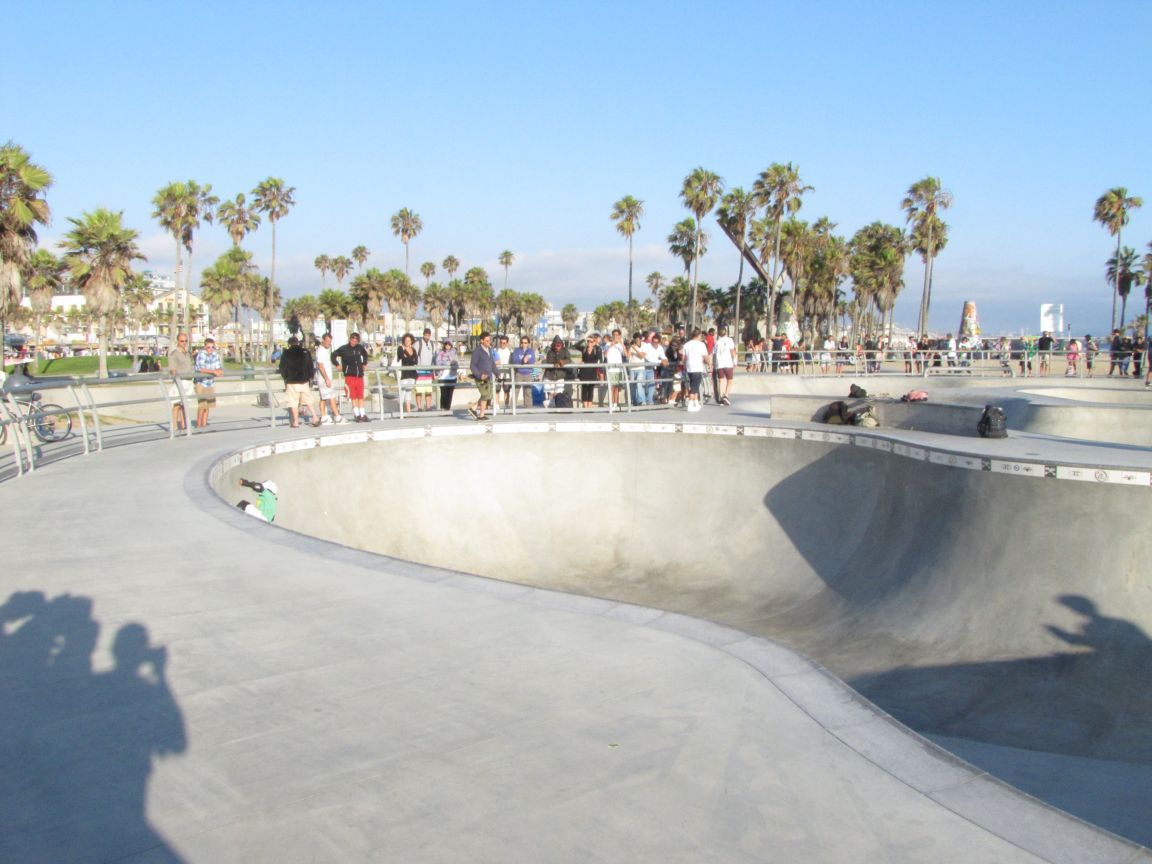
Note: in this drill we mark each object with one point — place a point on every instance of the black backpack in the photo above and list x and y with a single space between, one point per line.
993 423
562 400
857 392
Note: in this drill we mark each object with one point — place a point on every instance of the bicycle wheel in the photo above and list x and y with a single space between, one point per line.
51 422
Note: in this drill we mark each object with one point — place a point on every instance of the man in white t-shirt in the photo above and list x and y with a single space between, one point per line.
696 362
326 384
614 353
649 349
724 357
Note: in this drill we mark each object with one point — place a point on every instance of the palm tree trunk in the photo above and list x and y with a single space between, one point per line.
922 323
695 277
739 285
775 276
1116 281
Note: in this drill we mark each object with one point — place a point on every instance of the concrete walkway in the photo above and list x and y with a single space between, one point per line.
181 683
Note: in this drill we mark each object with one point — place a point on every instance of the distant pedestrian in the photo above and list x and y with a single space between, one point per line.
179 367
448 358
326 382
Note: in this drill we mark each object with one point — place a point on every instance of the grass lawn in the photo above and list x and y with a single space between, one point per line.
86 366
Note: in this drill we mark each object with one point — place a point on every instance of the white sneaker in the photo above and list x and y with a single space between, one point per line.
340 419
326 420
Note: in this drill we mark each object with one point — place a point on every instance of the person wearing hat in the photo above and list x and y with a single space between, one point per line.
483 369
449 360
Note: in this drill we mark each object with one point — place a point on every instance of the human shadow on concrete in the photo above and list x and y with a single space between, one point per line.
76 746
1092 704
957 601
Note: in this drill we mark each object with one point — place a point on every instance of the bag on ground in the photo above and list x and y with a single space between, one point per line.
992 423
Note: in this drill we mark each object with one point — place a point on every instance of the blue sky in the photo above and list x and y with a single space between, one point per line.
517 125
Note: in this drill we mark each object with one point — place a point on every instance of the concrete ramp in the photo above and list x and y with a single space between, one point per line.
1006 609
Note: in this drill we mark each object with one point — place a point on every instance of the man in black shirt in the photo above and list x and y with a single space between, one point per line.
353 360
1044 346
297 368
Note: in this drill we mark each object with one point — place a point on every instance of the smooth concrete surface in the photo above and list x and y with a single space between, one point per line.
181 682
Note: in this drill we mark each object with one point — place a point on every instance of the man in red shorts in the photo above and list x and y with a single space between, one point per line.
353 360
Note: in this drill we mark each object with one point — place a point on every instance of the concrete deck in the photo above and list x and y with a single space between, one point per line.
275 697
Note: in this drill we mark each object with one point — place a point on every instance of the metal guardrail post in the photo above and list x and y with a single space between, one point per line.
91 403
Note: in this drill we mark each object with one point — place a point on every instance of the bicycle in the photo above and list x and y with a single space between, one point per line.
48 421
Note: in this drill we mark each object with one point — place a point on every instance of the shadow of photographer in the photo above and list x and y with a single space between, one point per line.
77 746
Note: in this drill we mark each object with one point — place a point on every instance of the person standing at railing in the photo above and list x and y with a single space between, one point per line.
591 353
614 355
1044 346
1091 349
523 358
650 349
179 366
426 356
325 382
1114 351
1139 349
724 365
826 354
1072 357
353 360
674 379
483 368
696 363
504 371
297 368
447 357
209 367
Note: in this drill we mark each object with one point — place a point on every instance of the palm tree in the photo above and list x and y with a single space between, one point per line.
238 218
779 190
341 266
322 263
699 192
922 204
684 240
1123 272
532 308
450 265
736 211
227 287
436 305
569 315
137 297
99 252
23 185
273 199
45 276
334 304
1111 211
655 282
626 214
506 260
180 209
427 270
406 225
360 255
269 303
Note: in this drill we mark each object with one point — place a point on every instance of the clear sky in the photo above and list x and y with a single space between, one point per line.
516 125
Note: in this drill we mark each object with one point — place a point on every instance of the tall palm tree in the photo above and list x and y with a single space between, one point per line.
360 255
655 282
228 286
626 214
700 191
684 241
238 218
334 304
99 252
569 315
780 191
23 185
45 276
181 207
269 305
923 203
406 225
1124 272
450 265
506 259
736 211
322 263
341 267
1111 211
274 200
427 270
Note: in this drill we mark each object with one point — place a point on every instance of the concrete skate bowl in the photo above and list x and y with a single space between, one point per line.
1002 612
